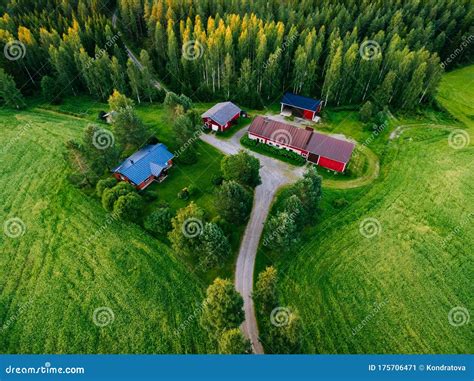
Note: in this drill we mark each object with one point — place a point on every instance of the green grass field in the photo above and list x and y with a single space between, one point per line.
72 259
392 293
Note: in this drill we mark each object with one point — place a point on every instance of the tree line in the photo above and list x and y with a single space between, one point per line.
344 52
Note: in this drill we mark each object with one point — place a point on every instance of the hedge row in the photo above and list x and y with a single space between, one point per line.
281 154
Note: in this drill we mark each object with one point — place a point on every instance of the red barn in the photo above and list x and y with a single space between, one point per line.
300 106
326 151
221 116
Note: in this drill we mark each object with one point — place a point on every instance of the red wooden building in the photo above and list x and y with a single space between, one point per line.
324 150
221 116
300 106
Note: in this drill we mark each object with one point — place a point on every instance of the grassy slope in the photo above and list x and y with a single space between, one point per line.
425 191
64 278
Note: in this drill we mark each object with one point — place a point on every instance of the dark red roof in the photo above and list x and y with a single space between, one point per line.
280 132
330 147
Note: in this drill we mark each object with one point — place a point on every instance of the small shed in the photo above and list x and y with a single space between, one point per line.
300 106
221 116
329 152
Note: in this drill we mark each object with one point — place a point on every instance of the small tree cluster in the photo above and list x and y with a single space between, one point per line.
242 168
233 202
123 201
282 336
202 241
173 100
222 314
9 93
187 129
158 222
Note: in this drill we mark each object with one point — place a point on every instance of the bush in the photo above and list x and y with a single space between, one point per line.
183 194
217 180
159 221
111 195
149 196
282 154
104 184
340 203
128 207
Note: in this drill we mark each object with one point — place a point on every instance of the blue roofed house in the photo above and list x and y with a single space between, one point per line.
300 106
151 163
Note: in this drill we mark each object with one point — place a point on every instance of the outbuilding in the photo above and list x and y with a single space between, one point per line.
221 116
303 107
329 152
151 163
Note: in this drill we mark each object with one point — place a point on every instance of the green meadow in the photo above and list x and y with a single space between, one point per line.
382 274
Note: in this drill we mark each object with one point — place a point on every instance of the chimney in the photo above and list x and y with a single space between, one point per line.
308 128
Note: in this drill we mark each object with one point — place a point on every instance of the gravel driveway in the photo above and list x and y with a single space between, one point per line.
274 174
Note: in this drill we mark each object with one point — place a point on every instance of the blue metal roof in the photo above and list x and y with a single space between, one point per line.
300 101
150 160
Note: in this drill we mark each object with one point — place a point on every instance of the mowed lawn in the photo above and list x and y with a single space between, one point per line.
72 259
393 293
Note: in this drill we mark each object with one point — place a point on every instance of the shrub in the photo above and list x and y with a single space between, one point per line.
340 203
110 195
282 154
128 207
183 194
104 184
159 221
217 180
149 196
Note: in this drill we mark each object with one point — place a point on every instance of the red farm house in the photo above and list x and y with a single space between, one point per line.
149 164
326 151
221 116
300 106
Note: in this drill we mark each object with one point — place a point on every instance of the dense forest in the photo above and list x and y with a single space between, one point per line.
344 52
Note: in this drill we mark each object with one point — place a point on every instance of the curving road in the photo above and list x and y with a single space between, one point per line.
274 174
